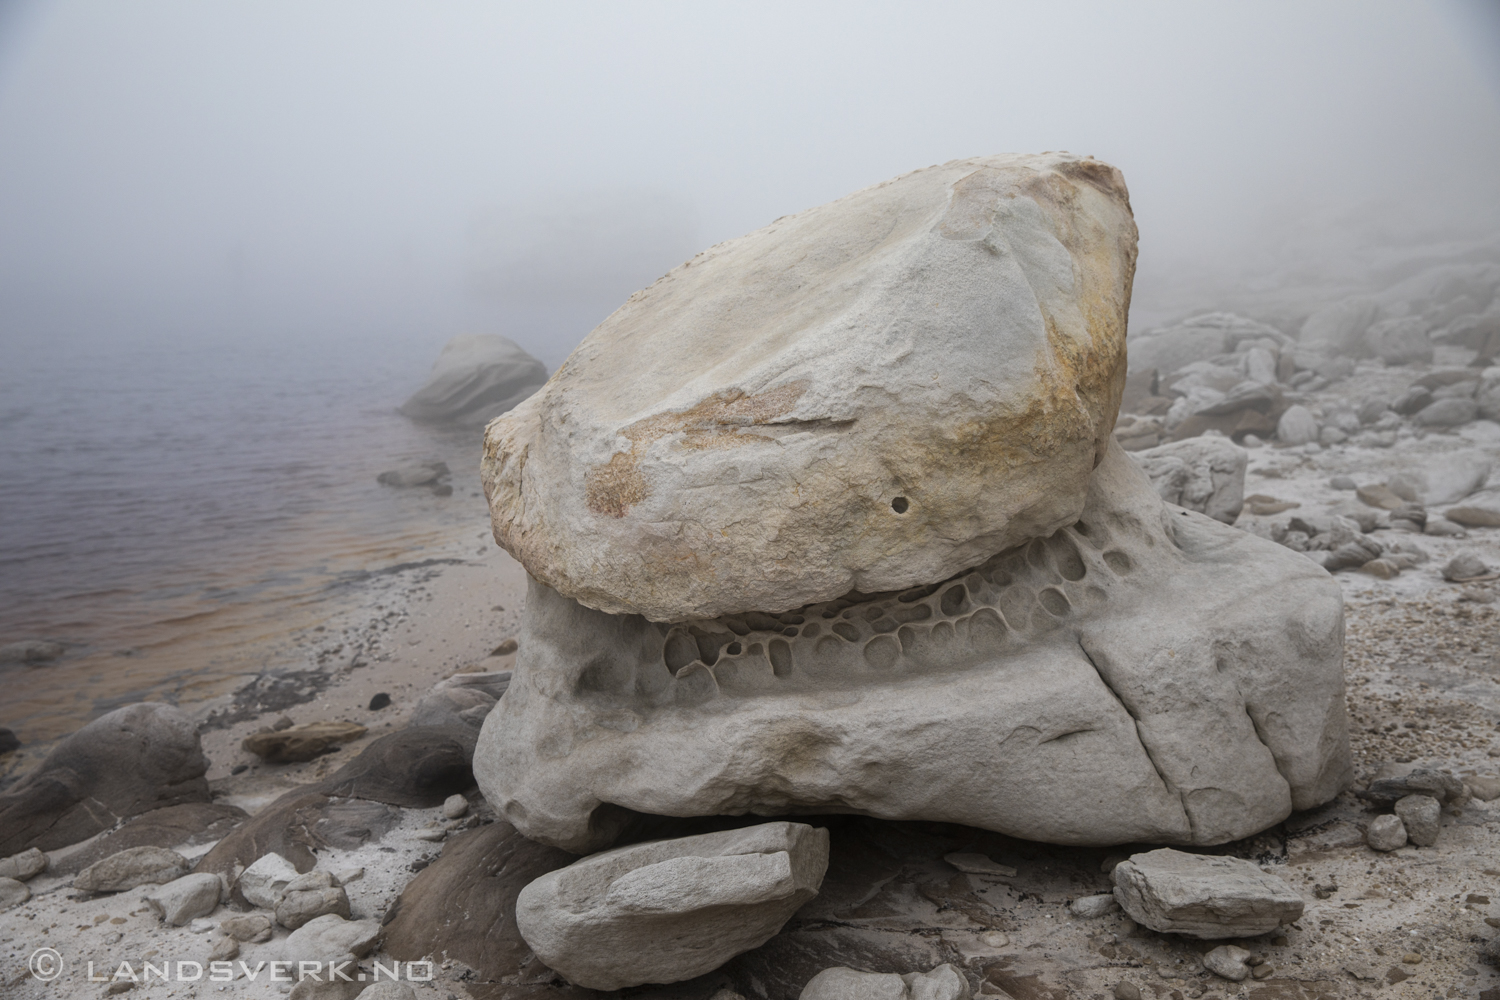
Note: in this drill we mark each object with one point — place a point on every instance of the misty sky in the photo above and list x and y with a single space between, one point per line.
429 169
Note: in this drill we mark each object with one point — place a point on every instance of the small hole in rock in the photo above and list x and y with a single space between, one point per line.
899 505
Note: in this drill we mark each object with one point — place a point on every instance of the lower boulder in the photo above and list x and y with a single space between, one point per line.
669 910
1147 674
133 760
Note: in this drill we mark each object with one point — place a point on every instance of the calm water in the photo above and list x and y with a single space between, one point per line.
168 509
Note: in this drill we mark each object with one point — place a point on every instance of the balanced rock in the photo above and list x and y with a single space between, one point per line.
1203 896
132 867
1143 675
476 378
943 983
871 395
669 910
1034 644
1440 785
1206 474
133 760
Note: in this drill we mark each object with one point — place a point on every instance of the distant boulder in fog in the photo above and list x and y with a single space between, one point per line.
476 378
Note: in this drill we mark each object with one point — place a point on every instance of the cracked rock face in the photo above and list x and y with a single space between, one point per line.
870 395
1143 673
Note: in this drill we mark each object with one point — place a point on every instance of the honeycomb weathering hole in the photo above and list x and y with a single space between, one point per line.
899 505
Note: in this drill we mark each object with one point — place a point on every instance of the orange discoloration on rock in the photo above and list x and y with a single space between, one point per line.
716 422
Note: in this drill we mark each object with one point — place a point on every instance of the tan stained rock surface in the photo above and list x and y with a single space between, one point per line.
872 394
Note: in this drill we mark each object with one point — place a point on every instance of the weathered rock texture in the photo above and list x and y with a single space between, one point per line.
1145 674
1206 474
873 394
1203 896
476 378
669 910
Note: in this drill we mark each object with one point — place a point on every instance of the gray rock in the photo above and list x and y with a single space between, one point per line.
669 910
698 721
943 983
1297 426
13 892
1386 833
264 882
1447 413
132 867
476 378
1450 478
224 949
1228 961
330 938
1126 990
387 990
1343 483
131 761
27 864
1407 485
32 651
978 864
1203 897
1480 510
1441 785
453 706
1412 401
1399 341
1441 527
1260 366
1487 398
181 900
1420 815
1464 567
423 474
250 927
455 806
308 897
1206 474
1092 907
1330 435
1339 327
1373 409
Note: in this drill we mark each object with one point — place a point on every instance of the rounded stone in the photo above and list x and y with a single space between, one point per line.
1386 833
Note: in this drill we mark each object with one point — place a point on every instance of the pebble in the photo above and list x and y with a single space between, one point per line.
1228 960
202 925
1343 483
995 939
1420 815
1092 907
224 949
1386 833
455 806
1126 990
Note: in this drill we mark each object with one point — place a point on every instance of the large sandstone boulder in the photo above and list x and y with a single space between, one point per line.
475 379
669 910
871 395
133 760
1144 674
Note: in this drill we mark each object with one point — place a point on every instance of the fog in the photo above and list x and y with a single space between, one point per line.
415 170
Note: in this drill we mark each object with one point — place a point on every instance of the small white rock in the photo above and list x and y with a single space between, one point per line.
1386 833
180 900
264 882
1228 960
202 925
455 806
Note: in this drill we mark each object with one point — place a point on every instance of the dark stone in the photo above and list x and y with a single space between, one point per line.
463 905
418 767
190 823
8 740
239 769
381 700
1423 781
135 759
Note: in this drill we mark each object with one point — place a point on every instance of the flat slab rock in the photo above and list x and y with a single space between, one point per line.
669 910
1146 674
1203 896
872 394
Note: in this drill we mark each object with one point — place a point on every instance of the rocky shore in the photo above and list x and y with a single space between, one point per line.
1217 715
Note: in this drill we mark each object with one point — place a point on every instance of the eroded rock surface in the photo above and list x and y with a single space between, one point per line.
873 394
1145 674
